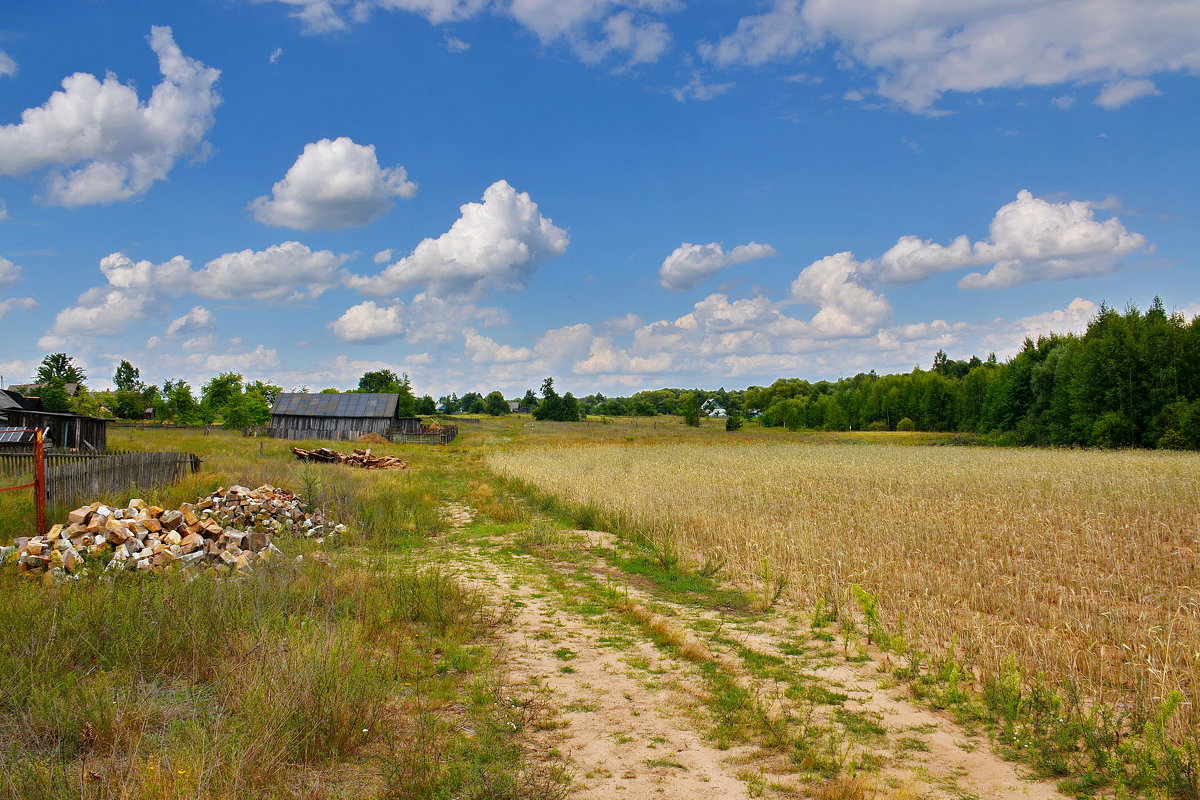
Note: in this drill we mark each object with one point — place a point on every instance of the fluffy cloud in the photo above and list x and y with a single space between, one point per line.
844 306
16 302
1030 239
496 244
8 65
284 273
136 290
131 293
9 272
333 184
689 265
101 143
427 318
1119 93
198 320
251 363
483 350
922 49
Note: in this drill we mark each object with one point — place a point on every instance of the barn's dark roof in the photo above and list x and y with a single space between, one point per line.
351 404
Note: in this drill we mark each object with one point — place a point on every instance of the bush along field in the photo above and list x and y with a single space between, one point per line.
635 608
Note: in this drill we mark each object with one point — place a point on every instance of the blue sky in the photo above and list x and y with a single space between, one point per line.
623 194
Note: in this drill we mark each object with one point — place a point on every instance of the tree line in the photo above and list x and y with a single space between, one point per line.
1131 379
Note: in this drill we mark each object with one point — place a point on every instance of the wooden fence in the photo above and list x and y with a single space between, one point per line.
446 435
83 481
21 463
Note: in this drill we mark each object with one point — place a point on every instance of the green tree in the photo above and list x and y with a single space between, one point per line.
179 403
495 404
690 409
380 381
54 397
246 410
556 408
425 405
60 368
529 402
127 378
220 391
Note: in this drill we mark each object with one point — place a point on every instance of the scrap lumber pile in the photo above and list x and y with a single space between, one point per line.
359 458
231 528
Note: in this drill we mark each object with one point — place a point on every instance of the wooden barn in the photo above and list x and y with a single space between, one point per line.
64 431
297 415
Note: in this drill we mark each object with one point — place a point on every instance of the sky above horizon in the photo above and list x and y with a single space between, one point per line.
621 194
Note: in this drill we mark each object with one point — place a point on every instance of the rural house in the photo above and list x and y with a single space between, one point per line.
298 415
63 430
712 409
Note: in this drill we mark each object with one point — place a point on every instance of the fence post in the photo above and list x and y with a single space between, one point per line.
39 482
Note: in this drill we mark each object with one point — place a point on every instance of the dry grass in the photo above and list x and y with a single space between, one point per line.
1082 564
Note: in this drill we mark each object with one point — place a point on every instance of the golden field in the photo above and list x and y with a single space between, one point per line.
1083 565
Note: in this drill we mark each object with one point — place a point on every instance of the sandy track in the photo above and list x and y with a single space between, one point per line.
633 723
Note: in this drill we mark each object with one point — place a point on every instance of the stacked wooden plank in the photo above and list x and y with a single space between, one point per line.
359 458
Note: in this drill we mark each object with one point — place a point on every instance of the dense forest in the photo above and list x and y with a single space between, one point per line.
1132 379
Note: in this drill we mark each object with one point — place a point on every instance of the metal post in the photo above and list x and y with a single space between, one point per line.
39 482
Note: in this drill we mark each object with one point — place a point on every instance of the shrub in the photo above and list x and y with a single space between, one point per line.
733 422
1113 429
877 425
906 424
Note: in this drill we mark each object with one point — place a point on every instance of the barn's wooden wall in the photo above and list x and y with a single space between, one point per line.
285 426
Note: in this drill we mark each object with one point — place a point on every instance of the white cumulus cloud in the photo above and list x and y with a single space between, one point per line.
844 306
283 273
426 318
496 244
483 350
16 302
1030 239
691 264
131 293
9 272
333 184
198 320
920 50
101 143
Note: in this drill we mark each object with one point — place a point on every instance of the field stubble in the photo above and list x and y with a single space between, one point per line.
1080 564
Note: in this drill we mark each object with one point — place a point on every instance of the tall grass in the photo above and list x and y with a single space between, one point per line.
299 680
1080 564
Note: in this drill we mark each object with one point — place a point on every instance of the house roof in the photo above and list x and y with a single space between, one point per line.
350 404
8 401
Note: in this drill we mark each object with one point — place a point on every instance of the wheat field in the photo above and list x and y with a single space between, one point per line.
1082 565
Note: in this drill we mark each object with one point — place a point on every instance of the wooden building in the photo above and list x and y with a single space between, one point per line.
64 431
297 415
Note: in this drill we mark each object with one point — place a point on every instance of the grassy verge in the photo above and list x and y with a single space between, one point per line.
371 677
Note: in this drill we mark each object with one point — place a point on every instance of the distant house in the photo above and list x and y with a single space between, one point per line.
297 415
62 429
31 389
712 409
514 407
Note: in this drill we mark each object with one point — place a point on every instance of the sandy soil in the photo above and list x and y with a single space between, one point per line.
633 723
